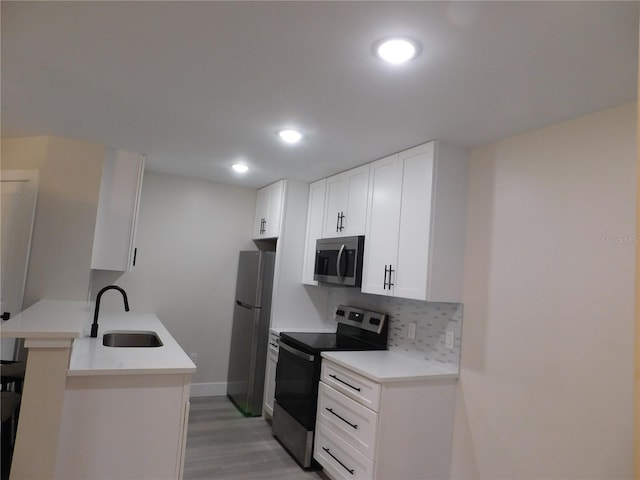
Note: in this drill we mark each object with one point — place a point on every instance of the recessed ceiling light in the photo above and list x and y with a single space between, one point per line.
290 136
397 50
240 168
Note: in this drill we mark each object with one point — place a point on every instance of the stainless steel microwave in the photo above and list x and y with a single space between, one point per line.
339 261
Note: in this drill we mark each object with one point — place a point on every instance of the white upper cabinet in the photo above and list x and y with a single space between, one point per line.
381 237
269 203
346 203
414 244
117 217
315 216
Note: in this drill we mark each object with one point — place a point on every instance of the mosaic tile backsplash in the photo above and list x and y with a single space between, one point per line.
433 320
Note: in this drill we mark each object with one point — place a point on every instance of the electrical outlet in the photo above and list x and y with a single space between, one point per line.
411 330
194 357
448 339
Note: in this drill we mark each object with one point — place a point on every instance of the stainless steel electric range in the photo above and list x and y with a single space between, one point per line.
298 374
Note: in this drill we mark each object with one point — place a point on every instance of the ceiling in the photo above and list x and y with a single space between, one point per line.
197 86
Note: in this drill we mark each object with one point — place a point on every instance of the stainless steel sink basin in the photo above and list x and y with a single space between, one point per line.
131 339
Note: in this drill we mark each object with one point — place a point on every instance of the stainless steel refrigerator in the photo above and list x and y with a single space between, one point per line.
250 332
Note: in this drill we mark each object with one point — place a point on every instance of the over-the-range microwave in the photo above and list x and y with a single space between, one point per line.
339 261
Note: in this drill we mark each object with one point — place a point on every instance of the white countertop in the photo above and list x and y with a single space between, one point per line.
90 357
49 319
384 366
56 319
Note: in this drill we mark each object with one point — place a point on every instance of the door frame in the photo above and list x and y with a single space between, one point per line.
31 176
636 421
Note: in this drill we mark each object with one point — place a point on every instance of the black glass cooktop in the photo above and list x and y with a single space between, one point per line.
311 342
357 330
315 343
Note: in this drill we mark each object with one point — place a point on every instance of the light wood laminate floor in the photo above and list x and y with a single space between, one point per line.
224 445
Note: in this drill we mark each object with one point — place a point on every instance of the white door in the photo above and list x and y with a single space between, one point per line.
19 190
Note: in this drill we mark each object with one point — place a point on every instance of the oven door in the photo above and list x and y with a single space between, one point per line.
297 377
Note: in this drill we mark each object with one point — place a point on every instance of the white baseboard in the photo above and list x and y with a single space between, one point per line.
208 389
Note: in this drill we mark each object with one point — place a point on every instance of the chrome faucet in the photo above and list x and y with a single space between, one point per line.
94 325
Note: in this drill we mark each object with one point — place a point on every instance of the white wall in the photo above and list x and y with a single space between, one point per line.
62 238
189 235
547 346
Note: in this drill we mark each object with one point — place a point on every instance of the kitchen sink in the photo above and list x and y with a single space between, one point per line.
131 339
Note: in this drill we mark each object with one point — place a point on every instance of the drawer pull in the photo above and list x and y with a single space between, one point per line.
357 389
336 459
330 410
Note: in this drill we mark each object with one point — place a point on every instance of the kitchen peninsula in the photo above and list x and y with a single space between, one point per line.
94 411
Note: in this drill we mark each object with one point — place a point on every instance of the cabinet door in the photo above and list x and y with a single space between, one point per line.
335 205
339 459
117 217
414 238
274 214
381 238
268 219
346 203
262 209
315 215
353 422
355 217
270 382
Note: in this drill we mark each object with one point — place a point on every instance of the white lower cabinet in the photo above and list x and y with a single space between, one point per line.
353 421
392 430
338 458
270 373
122 427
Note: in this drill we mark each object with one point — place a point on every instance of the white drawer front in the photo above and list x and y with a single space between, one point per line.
339 459
353 422
353 385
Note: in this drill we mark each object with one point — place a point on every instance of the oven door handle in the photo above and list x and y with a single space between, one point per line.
296 352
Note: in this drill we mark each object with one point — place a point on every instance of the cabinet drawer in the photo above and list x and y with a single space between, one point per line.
353 422
355 386
338 458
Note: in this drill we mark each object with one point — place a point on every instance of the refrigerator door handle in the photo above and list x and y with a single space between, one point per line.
243 305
